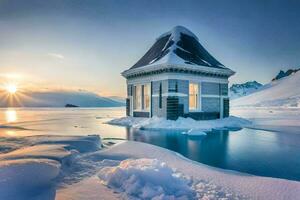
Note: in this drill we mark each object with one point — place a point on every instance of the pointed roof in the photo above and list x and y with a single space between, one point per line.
178 46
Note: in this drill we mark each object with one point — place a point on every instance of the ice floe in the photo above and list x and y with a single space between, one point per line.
156 123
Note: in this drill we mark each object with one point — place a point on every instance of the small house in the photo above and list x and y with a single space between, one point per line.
177 77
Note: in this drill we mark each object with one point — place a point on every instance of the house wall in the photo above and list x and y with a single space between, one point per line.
211 104
212 92
156 111
182 92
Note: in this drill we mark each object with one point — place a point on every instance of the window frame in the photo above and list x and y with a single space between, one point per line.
139 101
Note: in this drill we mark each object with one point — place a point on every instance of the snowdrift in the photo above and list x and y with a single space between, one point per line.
30 170
57 167
284 92
185 124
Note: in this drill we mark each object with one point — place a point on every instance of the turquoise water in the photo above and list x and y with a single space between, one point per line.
255 152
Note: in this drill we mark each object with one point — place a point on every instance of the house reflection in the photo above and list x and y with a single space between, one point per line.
211 149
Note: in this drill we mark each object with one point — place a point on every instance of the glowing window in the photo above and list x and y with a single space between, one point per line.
193 96
137 99
146 96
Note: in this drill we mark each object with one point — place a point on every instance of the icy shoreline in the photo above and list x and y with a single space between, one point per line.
76 167
206 182
184 124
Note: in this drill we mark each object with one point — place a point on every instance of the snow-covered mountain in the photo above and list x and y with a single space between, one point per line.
239 90
58 99
178 46
283 74
118 99
282 92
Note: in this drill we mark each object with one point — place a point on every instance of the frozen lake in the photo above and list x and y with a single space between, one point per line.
264 153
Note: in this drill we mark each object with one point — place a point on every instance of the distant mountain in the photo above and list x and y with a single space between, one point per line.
239 90
59 99
282 92
282 74
118 99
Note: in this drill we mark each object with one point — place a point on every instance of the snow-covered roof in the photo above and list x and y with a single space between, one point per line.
178 46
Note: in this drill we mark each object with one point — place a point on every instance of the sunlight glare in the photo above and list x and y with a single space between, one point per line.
11 89
11 116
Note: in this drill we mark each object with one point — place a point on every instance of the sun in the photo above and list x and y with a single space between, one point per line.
11 89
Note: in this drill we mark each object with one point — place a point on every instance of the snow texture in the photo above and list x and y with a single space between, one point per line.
207 182
28 170
146 179
187 124
244 89
57 167
284 92
178 46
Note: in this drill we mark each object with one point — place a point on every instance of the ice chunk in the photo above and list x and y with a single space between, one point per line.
181 123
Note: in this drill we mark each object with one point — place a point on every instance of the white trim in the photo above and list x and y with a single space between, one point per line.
170 94
214 96
204 69
177 76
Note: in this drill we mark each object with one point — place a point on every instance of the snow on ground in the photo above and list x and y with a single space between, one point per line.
30 171
146 179
282 119
284 92
275 106
209 182
190 125
57 167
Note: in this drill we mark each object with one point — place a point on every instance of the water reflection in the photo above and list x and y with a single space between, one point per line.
10 133
252 151
11 115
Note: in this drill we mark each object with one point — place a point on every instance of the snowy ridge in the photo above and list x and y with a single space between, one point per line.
283 74
176 31
284 92
244 89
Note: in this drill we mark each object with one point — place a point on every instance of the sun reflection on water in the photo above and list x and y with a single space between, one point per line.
11 116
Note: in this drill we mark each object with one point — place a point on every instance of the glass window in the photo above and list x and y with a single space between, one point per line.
147 97
137 100
141 97
193 96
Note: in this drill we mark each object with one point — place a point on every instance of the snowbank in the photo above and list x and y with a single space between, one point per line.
284 92
207 182
285 120
146 179
132 170
30 171
181 123
19 179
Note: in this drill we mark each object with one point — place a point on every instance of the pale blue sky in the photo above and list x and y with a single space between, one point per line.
87 44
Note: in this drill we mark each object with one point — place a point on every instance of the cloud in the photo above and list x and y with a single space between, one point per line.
56 55
10 75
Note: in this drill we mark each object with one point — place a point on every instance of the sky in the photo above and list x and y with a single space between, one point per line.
76 44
